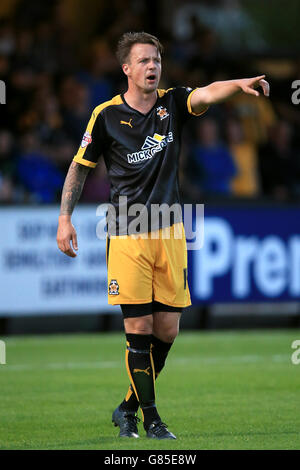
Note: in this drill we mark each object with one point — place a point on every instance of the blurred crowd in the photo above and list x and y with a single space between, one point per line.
56 74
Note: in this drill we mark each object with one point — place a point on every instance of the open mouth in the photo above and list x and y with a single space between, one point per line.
151 78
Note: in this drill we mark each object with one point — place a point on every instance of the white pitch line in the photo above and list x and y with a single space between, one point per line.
63 366
247 359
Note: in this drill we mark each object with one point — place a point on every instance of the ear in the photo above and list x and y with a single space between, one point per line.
126 69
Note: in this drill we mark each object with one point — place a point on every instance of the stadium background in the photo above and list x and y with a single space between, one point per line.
236 388
242 159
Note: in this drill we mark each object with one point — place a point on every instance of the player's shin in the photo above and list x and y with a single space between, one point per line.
140 368
159 351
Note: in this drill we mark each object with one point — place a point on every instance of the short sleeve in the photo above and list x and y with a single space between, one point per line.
182 96
92 143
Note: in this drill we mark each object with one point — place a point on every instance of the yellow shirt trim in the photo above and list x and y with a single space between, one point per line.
83 161
79 157
162 92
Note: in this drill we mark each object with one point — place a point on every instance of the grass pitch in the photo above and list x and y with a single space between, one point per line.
220 390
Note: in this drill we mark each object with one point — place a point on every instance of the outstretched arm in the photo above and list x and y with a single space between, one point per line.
72 189
217 92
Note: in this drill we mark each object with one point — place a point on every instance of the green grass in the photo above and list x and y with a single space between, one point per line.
220 390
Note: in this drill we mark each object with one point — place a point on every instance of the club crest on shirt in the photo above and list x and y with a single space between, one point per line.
162 112
113 288
86 139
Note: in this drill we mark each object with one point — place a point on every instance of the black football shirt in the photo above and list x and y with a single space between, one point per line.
141 153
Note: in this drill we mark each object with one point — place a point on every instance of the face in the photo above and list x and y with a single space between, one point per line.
144 67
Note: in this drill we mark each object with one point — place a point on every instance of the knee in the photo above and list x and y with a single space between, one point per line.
139 325
168 335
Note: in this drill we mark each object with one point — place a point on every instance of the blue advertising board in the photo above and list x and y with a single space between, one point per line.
247 254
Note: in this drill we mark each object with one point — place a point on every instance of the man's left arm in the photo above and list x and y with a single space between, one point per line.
217 92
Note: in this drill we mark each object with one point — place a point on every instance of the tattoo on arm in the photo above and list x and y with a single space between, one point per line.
72 189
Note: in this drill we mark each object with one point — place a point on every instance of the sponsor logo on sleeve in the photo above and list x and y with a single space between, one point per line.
86 139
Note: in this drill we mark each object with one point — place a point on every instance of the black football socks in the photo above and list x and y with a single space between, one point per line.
140 368
158 351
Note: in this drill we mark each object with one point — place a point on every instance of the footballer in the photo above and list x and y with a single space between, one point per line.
138 133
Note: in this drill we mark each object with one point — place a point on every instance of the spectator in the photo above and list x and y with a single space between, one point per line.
246 182
51 89
37 173
256 116
278 163
7 37
100 65
236 30
75 109
7 167
212 165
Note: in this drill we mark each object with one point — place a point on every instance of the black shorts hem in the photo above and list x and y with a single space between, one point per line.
139 310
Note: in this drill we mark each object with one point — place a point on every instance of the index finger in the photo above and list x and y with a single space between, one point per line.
255 80
260 77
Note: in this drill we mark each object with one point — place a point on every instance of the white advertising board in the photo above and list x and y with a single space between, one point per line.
36 278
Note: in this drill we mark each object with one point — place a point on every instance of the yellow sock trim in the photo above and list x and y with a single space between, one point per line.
129 394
